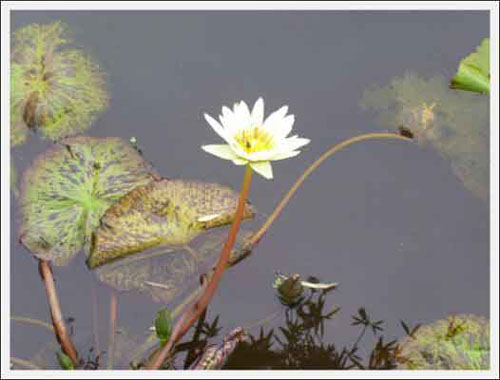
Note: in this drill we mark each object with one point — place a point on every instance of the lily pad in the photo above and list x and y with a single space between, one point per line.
474 70
168 273
67 190
457 342
164 212
55 89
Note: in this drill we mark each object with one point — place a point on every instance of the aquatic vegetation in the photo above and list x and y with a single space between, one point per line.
251 140
454 123
456 342
289 289
164 212
69 187
215 357
474 70
55 89
167 273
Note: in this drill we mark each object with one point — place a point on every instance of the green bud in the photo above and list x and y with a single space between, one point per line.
163 325
289 289
64 361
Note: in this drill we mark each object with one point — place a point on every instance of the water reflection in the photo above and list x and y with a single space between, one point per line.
455 123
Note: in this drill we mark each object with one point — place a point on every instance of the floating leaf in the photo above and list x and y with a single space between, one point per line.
454 123
165 212
55 89
474 70
168 273
457 342
69 187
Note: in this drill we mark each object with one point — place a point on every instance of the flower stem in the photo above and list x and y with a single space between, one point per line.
191 314
255 238
55 312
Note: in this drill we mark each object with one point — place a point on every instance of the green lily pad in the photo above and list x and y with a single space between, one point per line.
168 273
67 190
54 89
474 70
164 212
457 342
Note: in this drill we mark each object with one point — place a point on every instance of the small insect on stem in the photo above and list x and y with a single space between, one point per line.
406 132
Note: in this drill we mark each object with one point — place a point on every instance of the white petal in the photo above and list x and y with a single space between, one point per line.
222 151
258 112
293 143
264 155
283 127
239 161
263 168
242 110
275 118
282 156
216 127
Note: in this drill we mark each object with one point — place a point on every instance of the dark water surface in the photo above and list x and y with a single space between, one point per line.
387 220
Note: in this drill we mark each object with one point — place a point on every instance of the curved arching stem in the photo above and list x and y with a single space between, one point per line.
255 238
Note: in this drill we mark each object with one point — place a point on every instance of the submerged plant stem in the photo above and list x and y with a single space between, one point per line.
95 316
113 317
255 238
55 312
193 312
24 363
32 321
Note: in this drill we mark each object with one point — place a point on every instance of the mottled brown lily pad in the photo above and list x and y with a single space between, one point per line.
69 187
164 212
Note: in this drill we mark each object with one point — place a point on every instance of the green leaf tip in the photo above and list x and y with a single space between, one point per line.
64 361
163 325
474 70
69 187
55 89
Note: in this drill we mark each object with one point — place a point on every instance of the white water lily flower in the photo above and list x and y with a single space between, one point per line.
251 140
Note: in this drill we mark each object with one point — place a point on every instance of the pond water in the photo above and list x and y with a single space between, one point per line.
389 221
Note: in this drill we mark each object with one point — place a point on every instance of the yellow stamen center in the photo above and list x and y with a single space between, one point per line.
254 139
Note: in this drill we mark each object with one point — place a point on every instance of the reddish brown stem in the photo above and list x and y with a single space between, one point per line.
194 312
55 312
